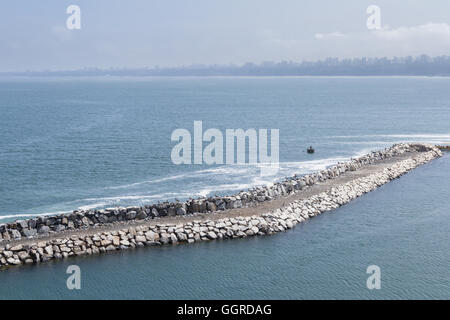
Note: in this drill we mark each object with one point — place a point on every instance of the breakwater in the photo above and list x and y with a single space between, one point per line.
281 219
84 219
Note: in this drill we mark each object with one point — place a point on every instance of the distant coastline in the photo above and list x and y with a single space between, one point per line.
398 66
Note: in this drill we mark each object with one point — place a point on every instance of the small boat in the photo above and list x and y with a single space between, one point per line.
310 150
444 148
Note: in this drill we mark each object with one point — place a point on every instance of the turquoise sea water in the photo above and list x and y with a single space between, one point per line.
85 143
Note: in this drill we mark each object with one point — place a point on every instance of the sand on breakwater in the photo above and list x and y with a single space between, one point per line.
267 217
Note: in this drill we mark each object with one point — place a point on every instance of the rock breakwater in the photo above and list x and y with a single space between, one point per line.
84 219
265 223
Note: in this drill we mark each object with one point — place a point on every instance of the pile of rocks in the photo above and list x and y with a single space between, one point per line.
205 230
84 219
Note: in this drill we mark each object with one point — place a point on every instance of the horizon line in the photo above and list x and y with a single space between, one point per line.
331 61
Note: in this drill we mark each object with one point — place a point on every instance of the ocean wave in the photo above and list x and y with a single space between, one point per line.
180 176
367 142
398 136
236 169
224 170
30 215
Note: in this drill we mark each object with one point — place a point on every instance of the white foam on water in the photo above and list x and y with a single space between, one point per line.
109 200
372 143
232 172
221 170
180 176
426 136
93 206
31 215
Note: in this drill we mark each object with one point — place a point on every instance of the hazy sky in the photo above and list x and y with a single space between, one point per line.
140 33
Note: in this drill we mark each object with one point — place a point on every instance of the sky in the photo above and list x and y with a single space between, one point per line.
148 33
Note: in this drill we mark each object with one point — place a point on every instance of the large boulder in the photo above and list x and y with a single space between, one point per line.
181 211
22 224
141 215
211 235
15 234
102 218
171 212
131 215
29 232
152 236
44 229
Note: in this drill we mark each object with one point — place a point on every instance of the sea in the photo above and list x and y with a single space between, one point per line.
69 143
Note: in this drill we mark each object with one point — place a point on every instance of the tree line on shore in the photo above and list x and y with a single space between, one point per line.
397 66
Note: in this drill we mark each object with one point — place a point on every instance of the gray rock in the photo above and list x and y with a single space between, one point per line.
29 232
141 239
211 235
164 239
211 206
222 206
141 215
23 255
255 229
22 224
44 229
103 218
173 238
125 243
14 261
110 248
171 212
181 236
6 236
7 254
131 215
32 223
19 247
152 236
15 234
59 228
